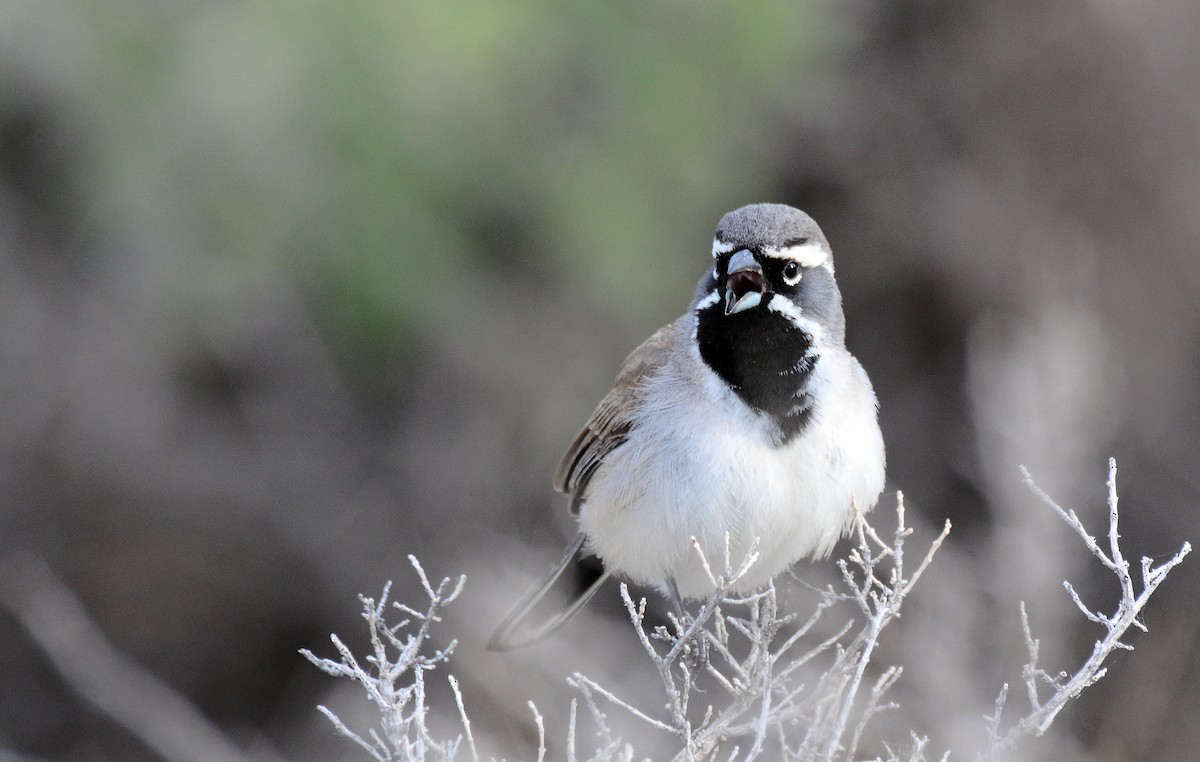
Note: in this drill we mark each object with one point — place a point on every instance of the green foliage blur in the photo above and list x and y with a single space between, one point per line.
402 158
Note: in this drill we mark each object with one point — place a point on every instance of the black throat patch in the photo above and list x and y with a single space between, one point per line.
765 360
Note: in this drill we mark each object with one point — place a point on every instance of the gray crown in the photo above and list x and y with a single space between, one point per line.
760 225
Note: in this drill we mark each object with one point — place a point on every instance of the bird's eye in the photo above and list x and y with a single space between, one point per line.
791 273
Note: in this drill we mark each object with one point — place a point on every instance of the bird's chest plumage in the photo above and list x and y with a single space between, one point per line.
764 359
702 463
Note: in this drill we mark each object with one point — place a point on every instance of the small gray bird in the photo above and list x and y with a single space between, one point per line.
745 417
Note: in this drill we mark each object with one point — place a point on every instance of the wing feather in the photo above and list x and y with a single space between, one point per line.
613 419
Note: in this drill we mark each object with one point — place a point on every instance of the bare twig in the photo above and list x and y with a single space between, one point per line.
1127 614
541 726
394 678
125 691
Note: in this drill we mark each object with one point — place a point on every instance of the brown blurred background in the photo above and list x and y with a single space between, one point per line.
289 291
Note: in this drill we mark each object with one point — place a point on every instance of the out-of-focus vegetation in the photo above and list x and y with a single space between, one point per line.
399 158
290 290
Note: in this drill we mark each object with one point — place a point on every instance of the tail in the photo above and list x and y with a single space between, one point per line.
517 630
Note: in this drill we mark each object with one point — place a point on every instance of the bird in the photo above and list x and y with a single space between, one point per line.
745 424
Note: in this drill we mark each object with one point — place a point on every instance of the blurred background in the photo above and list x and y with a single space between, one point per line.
289 291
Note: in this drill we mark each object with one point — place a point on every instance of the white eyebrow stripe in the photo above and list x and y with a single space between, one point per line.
721 247
805 255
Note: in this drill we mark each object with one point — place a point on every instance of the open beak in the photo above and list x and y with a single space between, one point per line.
745 284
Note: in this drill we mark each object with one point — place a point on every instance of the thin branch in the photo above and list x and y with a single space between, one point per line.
577 680
1127 615
128 693
395 678
466 721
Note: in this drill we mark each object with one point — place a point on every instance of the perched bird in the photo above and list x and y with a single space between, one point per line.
745 417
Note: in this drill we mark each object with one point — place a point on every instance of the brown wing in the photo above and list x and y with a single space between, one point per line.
612 419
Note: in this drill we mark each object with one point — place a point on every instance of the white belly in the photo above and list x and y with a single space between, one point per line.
702 464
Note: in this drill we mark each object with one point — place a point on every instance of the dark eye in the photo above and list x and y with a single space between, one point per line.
791 273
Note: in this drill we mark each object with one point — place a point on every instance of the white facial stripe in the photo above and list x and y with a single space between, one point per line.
805 255
788 309
720 247
709 300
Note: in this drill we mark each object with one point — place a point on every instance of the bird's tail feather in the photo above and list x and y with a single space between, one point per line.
517 629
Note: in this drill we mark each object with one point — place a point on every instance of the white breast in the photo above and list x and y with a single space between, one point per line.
702 464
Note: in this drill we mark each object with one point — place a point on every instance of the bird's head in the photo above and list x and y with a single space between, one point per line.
771 261
770 303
